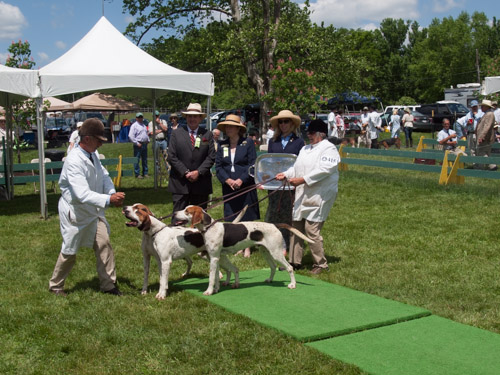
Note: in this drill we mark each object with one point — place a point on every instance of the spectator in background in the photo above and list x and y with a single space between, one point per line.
86 192
285 140
315 176
269 134
138 135
496 111
448 138
3 136
365 118
407 121
74 139
339 120
374 126
332 124
161 129
191 154
174 120
485 132
395 124
471 120
216 135
236 154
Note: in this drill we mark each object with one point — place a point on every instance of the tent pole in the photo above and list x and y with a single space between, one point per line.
155 156
41 158
209 109
8 153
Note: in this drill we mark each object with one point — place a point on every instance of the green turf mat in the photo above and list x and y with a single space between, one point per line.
315 310
430 345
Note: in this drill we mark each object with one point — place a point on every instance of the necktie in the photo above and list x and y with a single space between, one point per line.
91 159
192 138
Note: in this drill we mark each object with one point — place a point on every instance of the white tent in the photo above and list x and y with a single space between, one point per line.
105 59
17 84
491 85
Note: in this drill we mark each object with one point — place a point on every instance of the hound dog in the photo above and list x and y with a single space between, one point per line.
166 244
391 142
229 237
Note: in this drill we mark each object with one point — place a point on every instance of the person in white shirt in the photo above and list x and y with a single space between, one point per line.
407 121
74 139
365 118
339 119
496 112
332 125
448 138
374 126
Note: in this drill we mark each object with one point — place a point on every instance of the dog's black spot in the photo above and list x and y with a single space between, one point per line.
256 235
194 238
234 233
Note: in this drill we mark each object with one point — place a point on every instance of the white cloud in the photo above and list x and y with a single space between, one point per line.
11 21
441 6
60 44
361 13
43 56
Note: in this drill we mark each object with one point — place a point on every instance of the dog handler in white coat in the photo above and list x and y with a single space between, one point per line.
86 192
315 177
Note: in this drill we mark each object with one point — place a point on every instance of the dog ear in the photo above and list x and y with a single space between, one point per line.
206 218
146 223
197 217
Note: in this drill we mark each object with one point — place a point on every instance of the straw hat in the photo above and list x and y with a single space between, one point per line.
407 110
230 120
173 115
487 103
283 115
194 109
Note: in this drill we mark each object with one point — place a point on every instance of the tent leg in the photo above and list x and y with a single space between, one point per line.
41 158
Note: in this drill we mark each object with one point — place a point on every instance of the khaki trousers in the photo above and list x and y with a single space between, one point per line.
105 262
312 230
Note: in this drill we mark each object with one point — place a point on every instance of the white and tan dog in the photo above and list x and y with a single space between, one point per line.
165 244
229 237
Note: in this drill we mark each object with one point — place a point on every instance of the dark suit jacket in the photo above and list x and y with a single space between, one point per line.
293 146
183 157
244 157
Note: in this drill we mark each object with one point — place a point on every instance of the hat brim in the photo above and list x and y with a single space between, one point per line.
203 115
295 120
222 125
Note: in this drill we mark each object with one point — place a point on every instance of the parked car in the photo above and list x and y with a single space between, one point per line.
82 116
57 131
441 110
390 108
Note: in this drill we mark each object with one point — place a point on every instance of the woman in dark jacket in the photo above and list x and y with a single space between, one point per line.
285 140
234 156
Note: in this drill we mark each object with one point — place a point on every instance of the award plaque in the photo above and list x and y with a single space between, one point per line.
269 165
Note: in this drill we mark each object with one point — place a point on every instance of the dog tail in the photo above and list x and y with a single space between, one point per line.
294 231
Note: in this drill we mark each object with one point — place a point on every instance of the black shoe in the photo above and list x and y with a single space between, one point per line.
115 291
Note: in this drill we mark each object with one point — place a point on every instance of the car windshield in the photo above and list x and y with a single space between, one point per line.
457 107
59 122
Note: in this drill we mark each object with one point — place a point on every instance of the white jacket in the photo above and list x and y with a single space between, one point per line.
318 165
85 190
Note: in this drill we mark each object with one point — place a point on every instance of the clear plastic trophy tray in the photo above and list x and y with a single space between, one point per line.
269 165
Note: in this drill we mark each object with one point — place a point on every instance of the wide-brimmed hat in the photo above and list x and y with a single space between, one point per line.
487 103
93 127
194 109
230 119
173 115
2 118
407 110
283 115
317 125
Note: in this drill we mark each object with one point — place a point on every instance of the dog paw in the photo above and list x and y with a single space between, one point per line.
160 296
144 292
291 286
269 280
226 283
236 285
208 292
185 274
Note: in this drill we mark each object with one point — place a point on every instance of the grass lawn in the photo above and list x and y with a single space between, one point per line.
392 233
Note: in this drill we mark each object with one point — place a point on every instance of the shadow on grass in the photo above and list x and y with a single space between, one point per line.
30 204
93 284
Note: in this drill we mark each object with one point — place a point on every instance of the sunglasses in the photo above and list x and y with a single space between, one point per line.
285 121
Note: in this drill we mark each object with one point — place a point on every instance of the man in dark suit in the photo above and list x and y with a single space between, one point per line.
191 154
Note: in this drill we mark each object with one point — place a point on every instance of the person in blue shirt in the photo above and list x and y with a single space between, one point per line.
138 135
285 140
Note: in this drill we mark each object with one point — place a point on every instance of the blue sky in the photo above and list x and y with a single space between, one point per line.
54 26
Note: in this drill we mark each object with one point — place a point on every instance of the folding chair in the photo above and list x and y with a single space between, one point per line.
46 160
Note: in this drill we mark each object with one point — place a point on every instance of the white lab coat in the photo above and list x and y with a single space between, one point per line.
85 190
318 165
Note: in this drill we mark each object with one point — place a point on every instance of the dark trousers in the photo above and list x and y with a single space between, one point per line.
181 201
374 143
141 153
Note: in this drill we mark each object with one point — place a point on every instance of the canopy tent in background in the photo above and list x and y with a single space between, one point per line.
350 98
105 60
56 104
491 85
98 102
15 84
